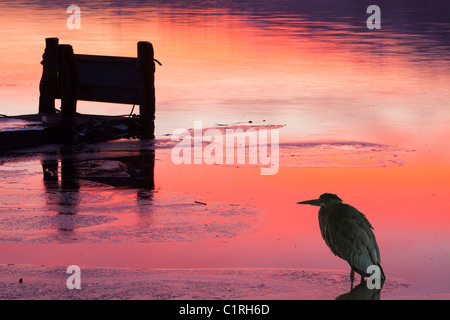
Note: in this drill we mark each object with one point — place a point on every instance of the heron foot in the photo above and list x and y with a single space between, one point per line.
352 278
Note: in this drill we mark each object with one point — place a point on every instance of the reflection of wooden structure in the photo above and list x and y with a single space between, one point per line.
72 77
137 171
64 171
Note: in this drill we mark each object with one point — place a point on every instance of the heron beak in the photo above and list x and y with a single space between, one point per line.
314 202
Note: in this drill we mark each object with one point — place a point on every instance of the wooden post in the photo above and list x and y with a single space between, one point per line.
146 76
68 81
48 87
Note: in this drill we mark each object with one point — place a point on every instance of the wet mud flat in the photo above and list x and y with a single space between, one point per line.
49 283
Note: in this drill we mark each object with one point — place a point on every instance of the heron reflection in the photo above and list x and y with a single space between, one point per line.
361 292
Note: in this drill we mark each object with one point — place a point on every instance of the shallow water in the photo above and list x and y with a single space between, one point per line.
361 113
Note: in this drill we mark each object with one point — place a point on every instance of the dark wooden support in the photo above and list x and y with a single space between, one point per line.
147 168
68 81
146 76
48 87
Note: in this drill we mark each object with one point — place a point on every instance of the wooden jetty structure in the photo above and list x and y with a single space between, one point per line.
72 77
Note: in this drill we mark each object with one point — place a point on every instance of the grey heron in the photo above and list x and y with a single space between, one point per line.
348 234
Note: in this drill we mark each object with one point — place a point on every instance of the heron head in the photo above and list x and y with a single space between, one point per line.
325 200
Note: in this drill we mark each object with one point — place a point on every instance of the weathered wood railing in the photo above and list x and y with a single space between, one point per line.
72 77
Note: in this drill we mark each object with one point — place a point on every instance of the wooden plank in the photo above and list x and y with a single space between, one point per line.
105 94
10 140
107 79
84 129
55 118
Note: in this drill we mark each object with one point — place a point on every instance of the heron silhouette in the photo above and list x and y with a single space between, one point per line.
348 234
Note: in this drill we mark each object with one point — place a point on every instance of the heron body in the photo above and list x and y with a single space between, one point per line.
348 234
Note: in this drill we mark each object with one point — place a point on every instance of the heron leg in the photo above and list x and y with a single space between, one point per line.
352 277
